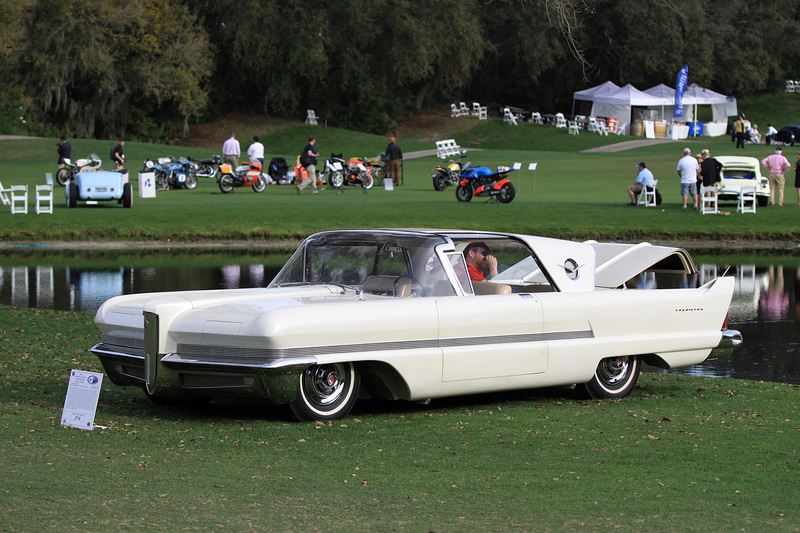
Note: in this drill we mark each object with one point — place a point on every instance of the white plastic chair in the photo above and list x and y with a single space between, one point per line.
747 200
44 199
602 129
621 128
647 197
708 197
482 113
454 111
4 195
509 117
311 118
592 125
561 122
573 128
462 107
536 118
19 199
790 88
476 109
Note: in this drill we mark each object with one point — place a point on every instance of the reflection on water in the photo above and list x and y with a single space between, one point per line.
764 307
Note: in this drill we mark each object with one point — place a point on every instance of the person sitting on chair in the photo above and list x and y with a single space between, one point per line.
643 179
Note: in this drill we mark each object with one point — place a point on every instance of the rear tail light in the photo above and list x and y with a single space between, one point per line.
725 322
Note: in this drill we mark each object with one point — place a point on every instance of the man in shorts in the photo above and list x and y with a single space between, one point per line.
687 171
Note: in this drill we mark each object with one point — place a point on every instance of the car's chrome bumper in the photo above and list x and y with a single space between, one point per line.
730 340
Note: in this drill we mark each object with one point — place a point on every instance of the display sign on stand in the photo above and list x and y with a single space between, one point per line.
81 402
147 184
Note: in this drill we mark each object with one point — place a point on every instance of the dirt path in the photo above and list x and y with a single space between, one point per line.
627 145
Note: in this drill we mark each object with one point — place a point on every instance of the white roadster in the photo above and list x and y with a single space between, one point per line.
394 314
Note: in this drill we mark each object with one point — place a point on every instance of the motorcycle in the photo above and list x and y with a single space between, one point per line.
447 174
207 168
172 173
355 172
248 175
67 173
482 182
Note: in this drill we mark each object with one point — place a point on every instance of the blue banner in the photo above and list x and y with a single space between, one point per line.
680 87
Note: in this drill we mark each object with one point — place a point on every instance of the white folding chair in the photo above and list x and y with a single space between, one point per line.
4 195
454 111
19 199
573 128
482 113
747 200
536 118
790 88
647 197
561 122
44 199
462 107
476 109
509 117
602 129
621 128
708 197
311 117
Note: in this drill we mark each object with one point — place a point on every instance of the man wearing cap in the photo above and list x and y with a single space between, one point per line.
394 154
231 151
687 171
777 165
643 179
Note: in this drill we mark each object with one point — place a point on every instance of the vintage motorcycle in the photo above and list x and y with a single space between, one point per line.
482 182
354 172
248 175
172 173
67 173
207 168
447 173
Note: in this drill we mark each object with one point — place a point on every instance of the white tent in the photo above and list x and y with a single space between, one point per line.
618 104
590 93
696 95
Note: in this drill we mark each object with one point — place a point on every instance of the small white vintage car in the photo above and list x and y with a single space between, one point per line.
394 314
738 172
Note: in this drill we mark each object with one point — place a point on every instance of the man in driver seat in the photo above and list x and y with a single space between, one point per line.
479 258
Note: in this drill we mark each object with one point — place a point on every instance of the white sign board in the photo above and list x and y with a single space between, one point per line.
388 184
81 402
147 184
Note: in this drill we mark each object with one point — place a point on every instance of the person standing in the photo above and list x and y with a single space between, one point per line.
777 165
395 154
308 158
256 151
64 152
797 177
771 131
643 179
117 155
687 171
710 170
740 128
231 151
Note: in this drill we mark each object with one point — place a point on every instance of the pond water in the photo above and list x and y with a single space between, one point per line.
765 305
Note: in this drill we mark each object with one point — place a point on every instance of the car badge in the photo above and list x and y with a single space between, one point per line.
571 268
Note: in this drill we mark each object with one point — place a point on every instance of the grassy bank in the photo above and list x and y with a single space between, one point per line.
680 454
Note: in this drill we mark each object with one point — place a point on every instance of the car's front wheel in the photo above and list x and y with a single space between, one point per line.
615 377
326 392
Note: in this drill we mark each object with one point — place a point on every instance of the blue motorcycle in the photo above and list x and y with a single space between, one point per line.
173 173
482 182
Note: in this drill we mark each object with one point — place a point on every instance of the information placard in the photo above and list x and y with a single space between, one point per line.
147 184
81 402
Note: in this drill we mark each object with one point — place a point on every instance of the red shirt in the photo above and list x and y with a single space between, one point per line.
475 274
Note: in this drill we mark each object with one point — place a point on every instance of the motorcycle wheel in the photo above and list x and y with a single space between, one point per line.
335 179
367 182
464 193
226 183
260 184
440 182
161 180
507 193
191 181
63 176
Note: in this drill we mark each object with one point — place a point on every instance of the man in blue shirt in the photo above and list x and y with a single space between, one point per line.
643 179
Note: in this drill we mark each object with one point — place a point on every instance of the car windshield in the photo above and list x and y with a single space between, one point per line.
374 262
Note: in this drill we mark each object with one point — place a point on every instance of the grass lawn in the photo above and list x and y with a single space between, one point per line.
680 454
574 194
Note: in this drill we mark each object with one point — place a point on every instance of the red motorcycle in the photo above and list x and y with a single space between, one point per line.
248 175
482 182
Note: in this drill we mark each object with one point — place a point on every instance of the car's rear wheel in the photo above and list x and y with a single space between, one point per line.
127 195
326 392
72 196
762 201
615 377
